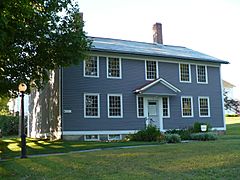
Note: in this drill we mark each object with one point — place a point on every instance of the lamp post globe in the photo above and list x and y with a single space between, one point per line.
22 88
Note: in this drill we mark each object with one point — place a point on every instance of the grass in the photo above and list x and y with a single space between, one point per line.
10 147
197 160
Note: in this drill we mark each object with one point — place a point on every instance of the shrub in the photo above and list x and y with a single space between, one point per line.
232 115
197 127
185 134
151 133
9 125
207 136
172 138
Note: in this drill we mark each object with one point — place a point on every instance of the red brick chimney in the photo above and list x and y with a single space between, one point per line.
157 33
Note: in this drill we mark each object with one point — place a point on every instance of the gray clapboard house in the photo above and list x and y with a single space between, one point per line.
125 84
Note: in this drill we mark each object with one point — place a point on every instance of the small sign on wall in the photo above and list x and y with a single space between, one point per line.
67 111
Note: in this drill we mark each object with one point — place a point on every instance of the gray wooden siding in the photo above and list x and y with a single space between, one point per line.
133 76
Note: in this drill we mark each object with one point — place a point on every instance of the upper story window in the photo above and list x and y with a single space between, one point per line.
91 67
202 74
115 109
203 104
185 72
91 105
187 106
151 70
114 68
165 107
140 107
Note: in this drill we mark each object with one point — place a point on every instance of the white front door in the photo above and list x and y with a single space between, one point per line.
153 112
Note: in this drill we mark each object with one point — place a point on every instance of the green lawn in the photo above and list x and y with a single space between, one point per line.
196 160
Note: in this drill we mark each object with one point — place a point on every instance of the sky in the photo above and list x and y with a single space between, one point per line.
209 26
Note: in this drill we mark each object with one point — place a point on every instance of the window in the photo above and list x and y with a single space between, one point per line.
115 106
91 106
112 137
114 68
91 137
165 107
91 67
185 72
201 74
140 107
203 104
187 107
151 72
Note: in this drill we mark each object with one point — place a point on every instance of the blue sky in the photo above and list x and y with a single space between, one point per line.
208 26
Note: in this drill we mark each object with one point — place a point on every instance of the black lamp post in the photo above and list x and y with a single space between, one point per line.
22 88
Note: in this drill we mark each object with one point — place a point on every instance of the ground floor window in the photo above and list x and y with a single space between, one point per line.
140 107
187 106
203 104
91 105
165 107
91 137
112 137
115 108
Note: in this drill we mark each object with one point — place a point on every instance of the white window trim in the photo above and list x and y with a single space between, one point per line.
97 69
85 139
191 106
168 108
205 74
109 139
190 73
146 70
120 68
137 107
204 97
91 94
121 101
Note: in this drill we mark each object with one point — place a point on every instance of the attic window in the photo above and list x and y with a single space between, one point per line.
91 67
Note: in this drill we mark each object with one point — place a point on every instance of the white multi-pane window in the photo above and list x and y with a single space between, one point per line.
91 105
165 107
92 137
151 71
187 106
115 106
140 107
185 73
114 68
91 67
203 104
202 74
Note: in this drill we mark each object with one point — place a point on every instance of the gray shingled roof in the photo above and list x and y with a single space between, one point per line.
149 49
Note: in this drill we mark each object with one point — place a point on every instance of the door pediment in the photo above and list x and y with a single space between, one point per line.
158 87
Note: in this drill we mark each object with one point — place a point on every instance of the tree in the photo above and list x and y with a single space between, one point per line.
231 104
37 36
4 105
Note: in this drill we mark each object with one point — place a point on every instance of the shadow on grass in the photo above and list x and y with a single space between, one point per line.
11 147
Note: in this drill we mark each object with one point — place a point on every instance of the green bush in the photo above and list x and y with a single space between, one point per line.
197 127
232 115
185 134
9 125
207 136
172 138
151 133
